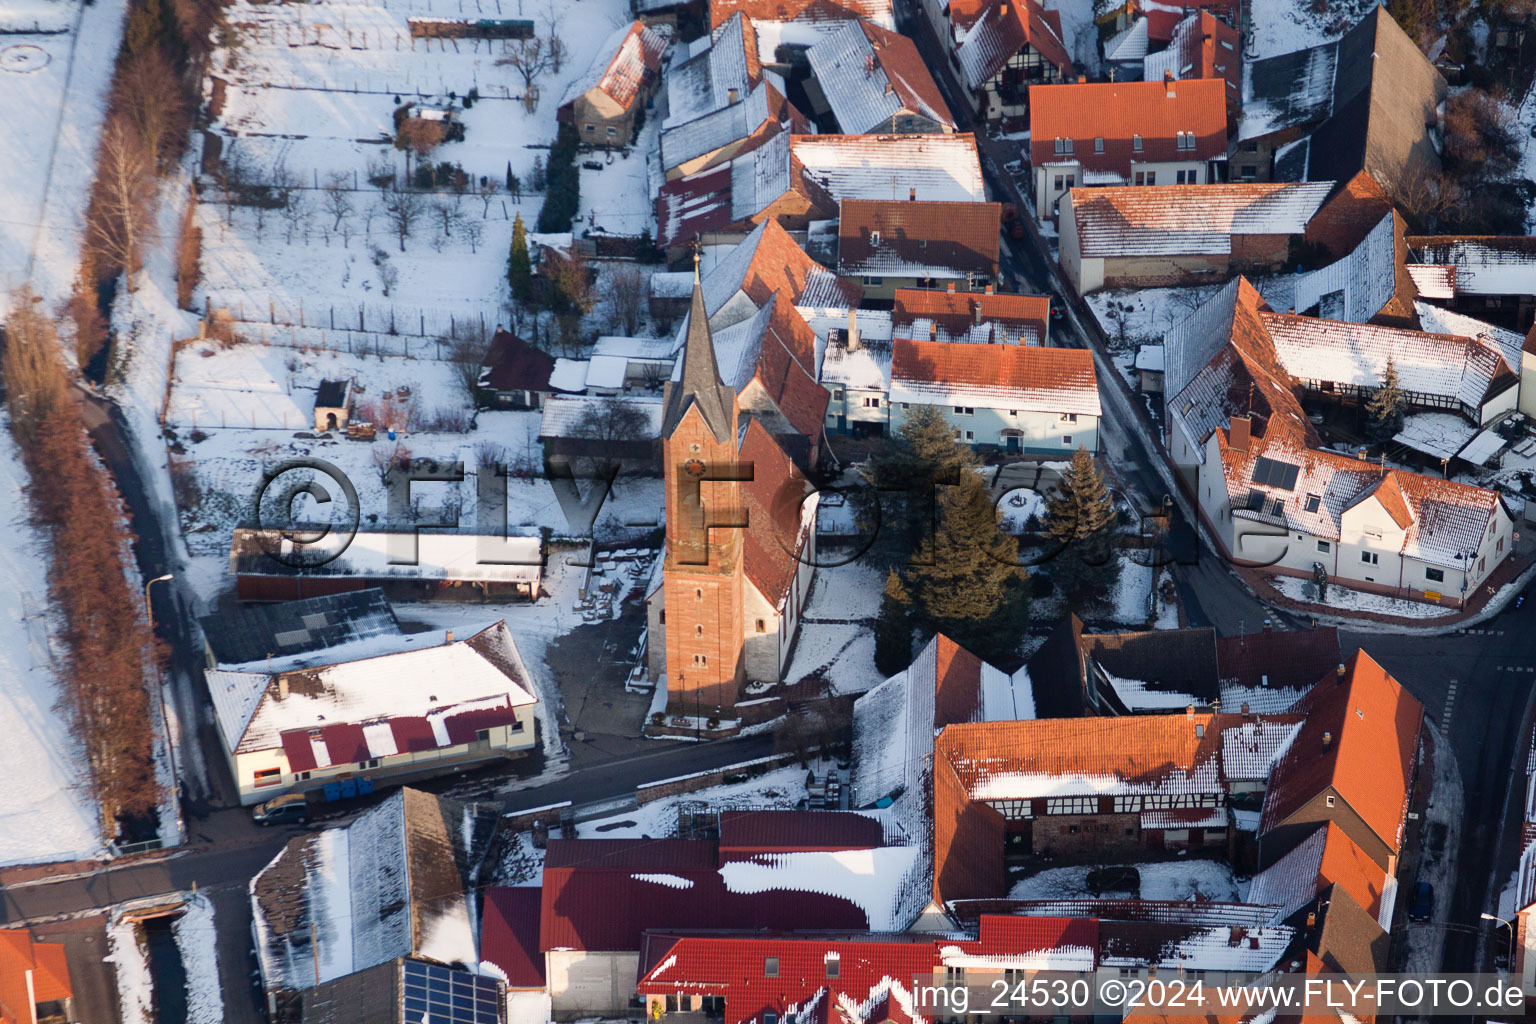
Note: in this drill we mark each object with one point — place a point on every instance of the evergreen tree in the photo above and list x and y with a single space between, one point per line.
897 504
1081 524
967 581
893 628
1388 406
519 267
509 177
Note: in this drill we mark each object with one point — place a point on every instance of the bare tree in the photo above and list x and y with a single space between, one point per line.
558 52
473 231
148 95
628 289
613 420
528 57
231 175
447 214
487 193
403 209
466 357
295 213
337 198
119 218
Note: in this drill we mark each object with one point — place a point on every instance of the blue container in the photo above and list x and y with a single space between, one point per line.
348 789
364 786
332 791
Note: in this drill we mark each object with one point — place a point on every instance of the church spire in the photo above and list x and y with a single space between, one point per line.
701 384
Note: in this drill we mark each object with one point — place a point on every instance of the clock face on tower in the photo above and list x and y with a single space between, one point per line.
694 468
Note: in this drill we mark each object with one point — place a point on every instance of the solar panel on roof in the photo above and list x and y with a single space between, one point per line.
1270 473
432 994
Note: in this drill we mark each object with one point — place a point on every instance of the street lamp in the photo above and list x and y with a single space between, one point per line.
149 609
1506 924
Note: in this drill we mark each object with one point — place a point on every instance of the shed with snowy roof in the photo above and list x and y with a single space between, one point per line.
603 102
387 707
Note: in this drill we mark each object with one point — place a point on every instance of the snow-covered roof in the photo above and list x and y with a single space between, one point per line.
1356 287
1004 30
1438 320
764 262
1129 44
393 883
1189 219
1441 365
1437 434
1485 265
940 168
569 375
639 349
1287 90
1004 697
703 83
866 368
1249 748
1149 358
569 416
627 56
428 555
1433 282
427 676
869 75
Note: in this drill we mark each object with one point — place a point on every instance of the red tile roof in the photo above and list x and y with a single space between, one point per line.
908 74
602 894
49 974
903 238
1163 16
720 11
745 834
1203 47
1346 218
511 364
1027 376
784 368
345 743
1117 111
1002 29
732 966
1351 869
957 690
638 56
1372 725
773 499
509 934
954 314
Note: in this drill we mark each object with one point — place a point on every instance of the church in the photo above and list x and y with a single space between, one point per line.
741 536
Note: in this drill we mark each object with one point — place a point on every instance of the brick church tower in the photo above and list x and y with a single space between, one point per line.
703 574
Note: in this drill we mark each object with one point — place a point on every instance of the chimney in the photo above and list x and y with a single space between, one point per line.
1267 625
853 329
1361 455
1168 85
1239 430
1339 674
448 637
889 88
989 289
951 288
1245 709
933 330
732 95
1327 740
1189 712
282 686
912 195
1002 10
976 312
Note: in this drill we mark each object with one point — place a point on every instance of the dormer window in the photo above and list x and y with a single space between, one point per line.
874 238
1186 140
1135 143
1063 147
1098 144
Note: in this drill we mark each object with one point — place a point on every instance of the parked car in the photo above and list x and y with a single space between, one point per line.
289 809
1423 902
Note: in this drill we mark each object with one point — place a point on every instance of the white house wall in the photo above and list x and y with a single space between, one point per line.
587 984
1042 433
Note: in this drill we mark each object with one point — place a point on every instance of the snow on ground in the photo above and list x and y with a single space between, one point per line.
1133 316
311 96
195 938
837 638
1282 26
1343 599
47 812
1132 593
1184 879
130 960
1018 505
50 122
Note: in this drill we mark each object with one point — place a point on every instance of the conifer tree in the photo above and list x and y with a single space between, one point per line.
1081 524
893 627
519 267
967 581
1388 405
897 505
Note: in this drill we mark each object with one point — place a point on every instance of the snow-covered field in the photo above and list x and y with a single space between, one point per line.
1184 879
47 812
54 85
310 98
1344 599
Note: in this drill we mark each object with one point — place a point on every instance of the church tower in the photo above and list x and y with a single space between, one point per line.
702 577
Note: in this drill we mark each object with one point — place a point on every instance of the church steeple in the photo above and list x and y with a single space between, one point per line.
701 384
